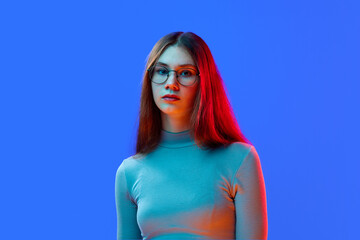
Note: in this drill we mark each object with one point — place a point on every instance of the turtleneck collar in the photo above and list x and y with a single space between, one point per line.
176 140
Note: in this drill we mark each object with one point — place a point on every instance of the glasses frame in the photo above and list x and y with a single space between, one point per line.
168 74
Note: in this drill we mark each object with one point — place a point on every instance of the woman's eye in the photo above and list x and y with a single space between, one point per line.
162 71
186 73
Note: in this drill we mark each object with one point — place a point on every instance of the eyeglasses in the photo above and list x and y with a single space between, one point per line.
185 76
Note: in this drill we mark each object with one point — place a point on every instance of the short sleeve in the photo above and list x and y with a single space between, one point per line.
250 199
126 209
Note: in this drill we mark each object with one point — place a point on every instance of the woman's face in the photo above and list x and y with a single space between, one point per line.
174 56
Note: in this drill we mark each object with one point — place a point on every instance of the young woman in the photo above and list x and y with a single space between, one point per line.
194 174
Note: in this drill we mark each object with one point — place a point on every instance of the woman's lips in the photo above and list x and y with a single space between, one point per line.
170 99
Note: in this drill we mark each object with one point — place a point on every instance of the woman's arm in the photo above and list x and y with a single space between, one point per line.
250 199
127 227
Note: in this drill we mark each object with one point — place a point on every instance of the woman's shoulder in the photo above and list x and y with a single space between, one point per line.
132 158
241 148
131 163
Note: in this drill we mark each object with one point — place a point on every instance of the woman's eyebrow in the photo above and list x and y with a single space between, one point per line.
181 65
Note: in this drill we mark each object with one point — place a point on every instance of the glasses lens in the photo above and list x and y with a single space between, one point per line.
187 76
159 74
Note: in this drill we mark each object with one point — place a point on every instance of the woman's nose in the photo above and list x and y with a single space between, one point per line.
172 79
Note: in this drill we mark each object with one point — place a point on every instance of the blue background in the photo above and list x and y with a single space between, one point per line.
70 86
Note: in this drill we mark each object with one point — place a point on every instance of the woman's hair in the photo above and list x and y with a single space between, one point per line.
212 122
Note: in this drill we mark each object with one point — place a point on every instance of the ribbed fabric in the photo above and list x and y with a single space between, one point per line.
176 140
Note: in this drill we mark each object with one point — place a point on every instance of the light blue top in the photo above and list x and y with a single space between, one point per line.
180 191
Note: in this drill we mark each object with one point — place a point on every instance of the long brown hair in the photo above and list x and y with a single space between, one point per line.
212 122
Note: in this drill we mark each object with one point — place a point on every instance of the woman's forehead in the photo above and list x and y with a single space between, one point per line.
175 57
